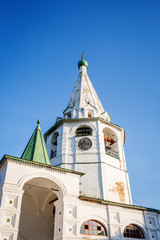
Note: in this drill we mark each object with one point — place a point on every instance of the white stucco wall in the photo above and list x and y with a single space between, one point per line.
17 174
23 209
105 176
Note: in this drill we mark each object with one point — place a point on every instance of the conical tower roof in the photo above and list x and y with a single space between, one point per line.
36 150
84 92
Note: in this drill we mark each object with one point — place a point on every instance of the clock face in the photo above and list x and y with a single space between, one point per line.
84 143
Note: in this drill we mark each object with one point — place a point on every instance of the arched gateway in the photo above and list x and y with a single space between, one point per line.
38 209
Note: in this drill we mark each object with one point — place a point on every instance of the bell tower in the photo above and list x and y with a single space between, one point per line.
86 140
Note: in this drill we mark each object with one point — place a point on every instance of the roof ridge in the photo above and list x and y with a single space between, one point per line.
35 142
44 152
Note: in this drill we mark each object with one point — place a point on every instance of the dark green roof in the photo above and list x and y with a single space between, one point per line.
36 149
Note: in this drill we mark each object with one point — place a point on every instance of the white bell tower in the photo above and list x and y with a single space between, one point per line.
86 141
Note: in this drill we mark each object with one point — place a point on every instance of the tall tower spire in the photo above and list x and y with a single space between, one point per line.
84 101
86 141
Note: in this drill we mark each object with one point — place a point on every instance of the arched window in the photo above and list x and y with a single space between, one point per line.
54 144
110 142
133 231
92 227
83 131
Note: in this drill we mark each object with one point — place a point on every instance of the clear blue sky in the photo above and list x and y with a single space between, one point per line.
40 45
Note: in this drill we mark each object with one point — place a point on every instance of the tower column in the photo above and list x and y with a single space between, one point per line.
10 210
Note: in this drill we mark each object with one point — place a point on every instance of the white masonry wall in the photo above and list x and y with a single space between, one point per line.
106 177
113 218
18 173
70 213
2 178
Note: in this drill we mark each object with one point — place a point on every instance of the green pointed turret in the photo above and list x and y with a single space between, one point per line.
36 149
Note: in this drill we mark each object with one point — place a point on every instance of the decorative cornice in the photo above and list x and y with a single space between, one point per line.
24 161
54 127
104 202
92 163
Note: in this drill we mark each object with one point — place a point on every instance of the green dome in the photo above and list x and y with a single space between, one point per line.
82 62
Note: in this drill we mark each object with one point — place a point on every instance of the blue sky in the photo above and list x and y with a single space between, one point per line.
40 45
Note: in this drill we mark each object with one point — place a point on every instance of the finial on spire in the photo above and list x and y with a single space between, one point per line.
82 55
38 122
82 62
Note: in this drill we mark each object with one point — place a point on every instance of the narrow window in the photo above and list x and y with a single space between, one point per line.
54 145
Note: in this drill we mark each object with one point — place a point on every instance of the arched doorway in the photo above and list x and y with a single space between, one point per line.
38 210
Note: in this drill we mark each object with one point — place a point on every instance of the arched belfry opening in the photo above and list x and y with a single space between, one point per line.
54 145
110 142
84 130
37 219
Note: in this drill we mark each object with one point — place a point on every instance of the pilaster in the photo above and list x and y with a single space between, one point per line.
10 211
70 218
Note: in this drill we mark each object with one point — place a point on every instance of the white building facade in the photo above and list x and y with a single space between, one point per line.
79 189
